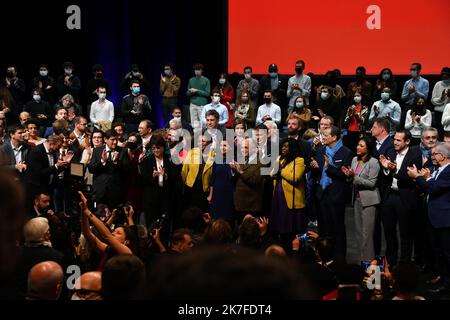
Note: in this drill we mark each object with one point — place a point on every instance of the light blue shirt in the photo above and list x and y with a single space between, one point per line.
422 87
389 109
304 83
220 108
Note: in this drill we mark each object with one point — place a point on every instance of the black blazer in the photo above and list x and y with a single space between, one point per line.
279 95
339 190
151 187
409 193
39 171
8 160
386 147
110 176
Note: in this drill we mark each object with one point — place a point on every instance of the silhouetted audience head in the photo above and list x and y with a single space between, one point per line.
88 286
123 277
215 273
45 281
218 232
12 219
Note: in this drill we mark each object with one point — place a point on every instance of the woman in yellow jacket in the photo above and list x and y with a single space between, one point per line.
287 215
196 174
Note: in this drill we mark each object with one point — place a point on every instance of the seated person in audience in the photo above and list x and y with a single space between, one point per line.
302 112
61 114
417 119
361 85
327 105
386 108
39 108
269 110
405 279
32 128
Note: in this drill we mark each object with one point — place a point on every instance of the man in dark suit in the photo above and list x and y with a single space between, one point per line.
384 145
402 200
13 154
437 187
275 82
333 190
109 165
43 168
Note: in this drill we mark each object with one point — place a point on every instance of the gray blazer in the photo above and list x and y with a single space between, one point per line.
365 182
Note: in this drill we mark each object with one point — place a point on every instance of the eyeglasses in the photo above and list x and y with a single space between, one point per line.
430 138
436 153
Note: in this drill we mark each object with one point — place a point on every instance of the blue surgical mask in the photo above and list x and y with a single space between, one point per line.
102 96
324 95
446 82
385 96
386 76
273 74
37 97
68 72
222 81
413 73
43 73
299 105
198 72
136 90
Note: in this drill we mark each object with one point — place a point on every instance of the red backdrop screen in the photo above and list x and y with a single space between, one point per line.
330 34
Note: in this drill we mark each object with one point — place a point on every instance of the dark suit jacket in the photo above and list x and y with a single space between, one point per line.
305 153
387 147
153 194
249 189
339 190
8 160
279 95
37 175
409 193
109 179
439 198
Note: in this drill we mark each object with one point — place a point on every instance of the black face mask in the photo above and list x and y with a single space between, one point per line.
267 100
298 70
10 74
99 75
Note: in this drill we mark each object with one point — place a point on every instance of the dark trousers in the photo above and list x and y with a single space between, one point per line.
331 223
442 237
438 124
394 211
351 140
62 197
168 105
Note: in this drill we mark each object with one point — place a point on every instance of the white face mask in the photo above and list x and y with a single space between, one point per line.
384 96
357 99
102 96
216 99
247 76
324 95
198 72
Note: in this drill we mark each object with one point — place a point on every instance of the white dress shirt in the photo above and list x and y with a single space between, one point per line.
399 160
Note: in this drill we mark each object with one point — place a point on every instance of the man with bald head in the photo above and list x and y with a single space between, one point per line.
88 286
24 117
45 281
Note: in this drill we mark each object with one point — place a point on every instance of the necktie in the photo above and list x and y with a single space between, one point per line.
109 155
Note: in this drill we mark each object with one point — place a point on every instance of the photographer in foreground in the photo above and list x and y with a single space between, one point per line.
121 241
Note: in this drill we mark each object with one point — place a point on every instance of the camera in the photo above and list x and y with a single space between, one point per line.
121 217
379 262
157 224
303 238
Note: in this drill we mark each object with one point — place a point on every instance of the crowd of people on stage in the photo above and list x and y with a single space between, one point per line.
244 175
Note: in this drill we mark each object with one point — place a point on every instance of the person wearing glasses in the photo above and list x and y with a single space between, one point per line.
437 186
